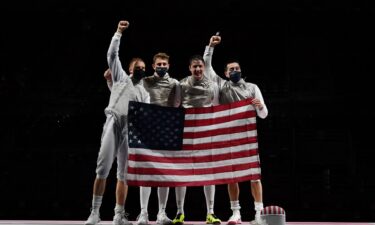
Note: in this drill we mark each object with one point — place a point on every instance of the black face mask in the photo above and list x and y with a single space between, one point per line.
161 71
138 74
235 76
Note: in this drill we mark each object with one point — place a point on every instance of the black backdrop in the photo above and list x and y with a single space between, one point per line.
313 61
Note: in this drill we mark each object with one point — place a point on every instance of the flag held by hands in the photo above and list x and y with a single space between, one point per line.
171 147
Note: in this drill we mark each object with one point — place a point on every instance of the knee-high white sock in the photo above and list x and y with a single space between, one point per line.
144 194
163 193
96 203
180 199
235 206
258 206
209 193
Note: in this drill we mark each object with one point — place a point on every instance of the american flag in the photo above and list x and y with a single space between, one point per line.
171 147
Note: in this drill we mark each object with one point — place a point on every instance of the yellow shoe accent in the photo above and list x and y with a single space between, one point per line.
179 220
212 219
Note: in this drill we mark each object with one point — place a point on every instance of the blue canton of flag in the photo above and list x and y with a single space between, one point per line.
155 127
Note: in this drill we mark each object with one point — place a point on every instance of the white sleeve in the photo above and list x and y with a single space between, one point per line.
210 72
264 112
147 100
109 84
113 58
177 96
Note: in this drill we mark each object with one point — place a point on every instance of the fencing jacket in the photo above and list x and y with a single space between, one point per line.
123 89
230 91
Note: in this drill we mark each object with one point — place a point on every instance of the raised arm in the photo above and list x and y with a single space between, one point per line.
113 52
207 57
214 40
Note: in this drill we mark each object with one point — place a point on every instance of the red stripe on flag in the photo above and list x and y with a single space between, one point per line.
146 183
193 159
224 119
220 144
218 108
190 172
220 131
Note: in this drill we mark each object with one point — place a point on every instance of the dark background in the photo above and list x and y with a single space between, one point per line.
313 61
